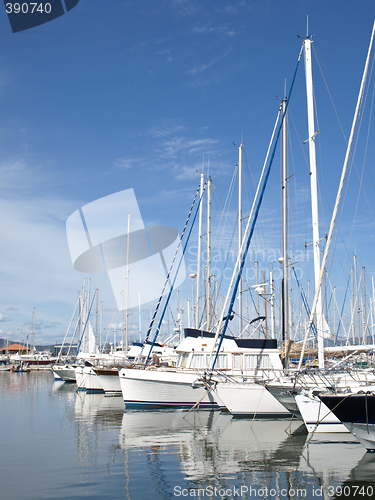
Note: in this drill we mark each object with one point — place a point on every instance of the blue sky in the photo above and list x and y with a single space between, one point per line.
118 94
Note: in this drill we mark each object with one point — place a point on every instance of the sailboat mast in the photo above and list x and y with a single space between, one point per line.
364 308
200 220
314 195
208 293
285 329
338 197
125 348
139 316
240 232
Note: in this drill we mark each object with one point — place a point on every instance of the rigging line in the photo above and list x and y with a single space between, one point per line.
173 261
251 181
305 188
338 196
361 188
243 251
177 270
303 296
173 320
330 95
293 214
342 130
84 328
67 331
364 193
225 211
228 253
335 110
110 324
261 240
221 230
342 309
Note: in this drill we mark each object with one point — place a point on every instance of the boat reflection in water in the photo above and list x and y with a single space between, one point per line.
330 457
360 481
176 453
97 406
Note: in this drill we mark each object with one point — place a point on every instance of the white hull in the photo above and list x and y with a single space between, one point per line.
317 416
66 373
87 379
250 399
365 433
110 381
150 389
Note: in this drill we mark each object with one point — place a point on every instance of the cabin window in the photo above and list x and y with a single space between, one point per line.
221 362
237 363
197 361
250 361
182 359
253 361
264 361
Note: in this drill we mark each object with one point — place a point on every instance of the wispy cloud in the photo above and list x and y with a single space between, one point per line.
215 30
4 319
52 324
185 8
125 163
204 66
166 128
176 146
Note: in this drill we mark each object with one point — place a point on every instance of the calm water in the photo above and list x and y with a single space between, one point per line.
60 444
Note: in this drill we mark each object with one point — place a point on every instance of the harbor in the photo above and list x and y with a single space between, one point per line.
188 281
66 444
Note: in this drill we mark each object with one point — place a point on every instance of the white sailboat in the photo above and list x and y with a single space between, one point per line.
193 381
316 415
183 386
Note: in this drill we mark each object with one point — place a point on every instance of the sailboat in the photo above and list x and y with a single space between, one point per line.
356 410
33 360
305 390
194 382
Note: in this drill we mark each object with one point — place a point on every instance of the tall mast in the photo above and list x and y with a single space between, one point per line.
125 348
240 231
314 196
208 293
356 298
33 331
285 329
364 308
338 197
199 249
272 304
139 316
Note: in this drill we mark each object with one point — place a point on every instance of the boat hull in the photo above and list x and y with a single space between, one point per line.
66 373
250 399
286 396
154 389
357 413
87 380
317 416
109 380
